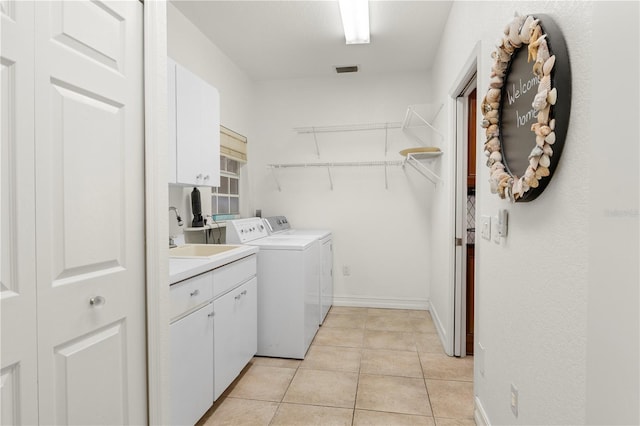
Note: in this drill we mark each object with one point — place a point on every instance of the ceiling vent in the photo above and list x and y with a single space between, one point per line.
350 68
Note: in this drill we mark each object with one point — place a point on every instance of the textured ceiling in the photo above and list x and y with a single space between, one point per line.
298 39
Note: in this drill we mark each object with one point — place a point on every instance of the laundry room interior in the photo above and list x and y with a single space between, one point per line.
434 221
323 149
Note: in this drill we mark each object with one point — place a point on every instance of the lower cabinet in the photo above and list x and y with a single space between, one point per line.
214 335
191 366
235 333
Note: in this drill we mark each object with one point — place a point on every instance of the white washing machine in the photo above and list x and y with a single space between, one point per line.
279 225
288 294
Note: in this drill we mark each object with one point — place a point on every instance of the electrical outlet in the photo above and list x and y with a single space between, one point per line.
346 270
485 227
514 399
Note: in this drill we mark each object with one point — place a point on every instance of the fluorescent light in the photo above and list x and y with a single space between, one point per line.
355 20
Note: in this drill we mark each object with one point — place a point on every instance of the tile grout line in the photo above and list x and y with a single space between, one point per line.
414 333
426 388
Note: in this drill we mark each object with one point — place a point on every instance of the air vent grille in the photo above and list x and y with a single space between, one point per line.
350 68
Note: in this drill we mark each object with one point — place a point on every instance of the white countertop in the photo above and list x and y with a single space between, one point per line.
182 268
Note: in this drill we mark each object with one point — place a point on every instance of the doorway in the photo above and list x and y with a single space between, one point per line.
470 219
464 95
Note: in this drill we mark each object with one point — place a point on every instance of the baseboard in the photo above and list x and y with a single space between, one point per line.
374 302
442 333
479 415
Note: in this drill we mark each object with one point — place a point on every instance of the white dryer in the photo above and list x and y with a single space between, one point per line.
288 294
279 225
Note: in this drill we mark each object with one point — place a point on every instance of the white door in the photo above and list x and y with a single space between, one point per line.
89 192
460 191
18 373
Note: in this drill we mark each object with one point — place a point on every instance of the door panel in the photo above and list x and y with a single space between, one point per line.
87 128
102 40
90 203
98 355
18 372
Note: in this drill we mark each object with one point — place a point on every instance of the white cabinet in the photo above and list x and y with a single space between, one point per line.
214 334
191 366
194 129
235 333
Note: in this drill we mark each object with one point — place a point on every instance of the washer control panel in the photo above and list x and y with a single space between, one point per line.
277 224
240 231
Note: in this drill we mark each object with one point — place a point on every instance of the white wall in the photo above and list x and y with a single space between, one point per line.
532 301
381 235
193 50
613 323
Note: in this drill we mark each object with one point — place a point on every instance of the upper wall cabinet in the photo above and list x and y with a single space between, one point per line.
194 129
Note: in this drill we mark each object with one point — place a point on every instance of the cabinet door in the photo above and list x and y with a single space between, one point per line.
189 122
198 130
191 366
236 333
210 133
171 120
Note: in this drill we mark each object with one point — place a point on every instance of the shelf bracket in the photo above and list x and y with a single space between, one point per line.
411 112
386 136
275 178
315 139
330 178
386 178
421 168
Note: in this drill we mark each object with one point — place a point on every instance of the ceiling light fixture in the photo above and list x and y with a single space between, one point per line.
355 20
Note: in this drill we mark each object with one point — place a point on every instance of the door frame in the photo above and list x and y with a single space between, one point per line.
156 204
458 94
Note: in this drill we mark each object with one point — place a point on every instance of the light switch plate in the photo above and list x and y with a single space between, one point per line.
485 227
494 227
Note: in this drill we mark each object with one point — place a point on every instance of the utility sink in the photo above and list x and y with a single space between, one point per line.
200 250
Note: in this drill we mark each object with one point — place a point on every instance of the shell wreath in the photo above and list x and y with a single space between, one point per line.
522 30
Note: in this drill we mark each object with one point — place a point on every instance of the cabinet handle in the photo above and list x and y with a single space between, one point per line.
211 315
195 292
97 301
206 177
238 296
199 176
244 292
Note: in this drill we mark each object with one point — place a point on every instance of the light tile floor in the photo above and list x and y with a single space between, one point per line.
365 367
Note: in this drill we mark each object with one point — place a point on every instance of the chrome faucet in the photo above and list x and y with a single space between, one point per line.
177 215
